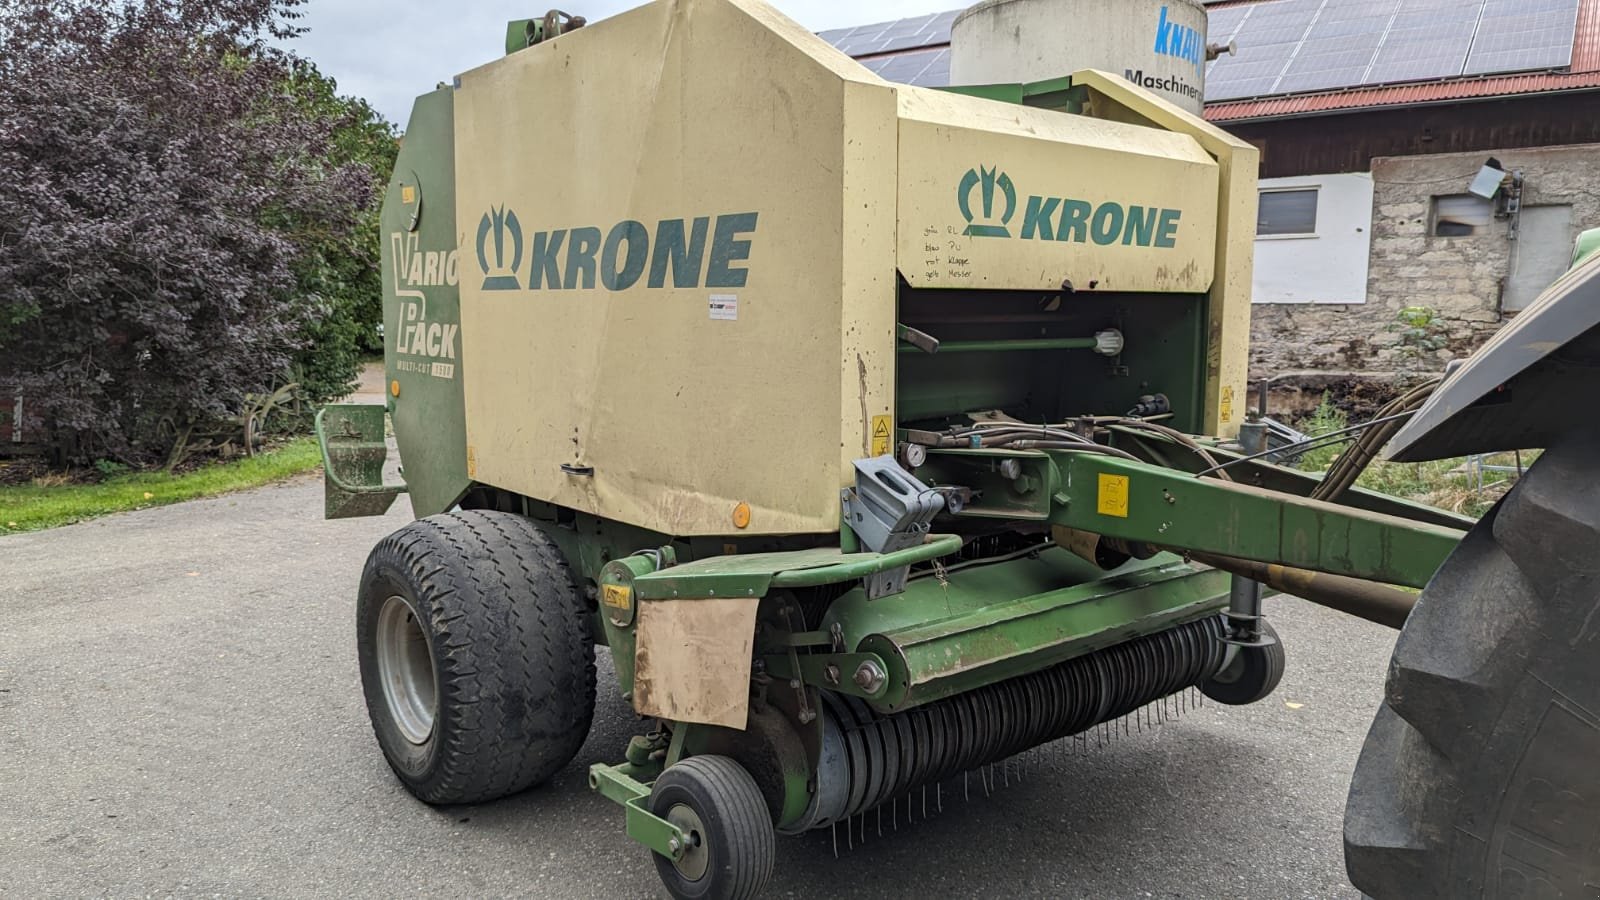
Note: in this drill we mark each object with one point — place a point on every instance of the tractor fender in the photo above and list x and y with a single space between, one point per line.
1524 387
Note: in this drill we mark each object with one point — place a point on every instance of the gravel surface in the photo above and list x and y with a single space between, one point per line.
181 714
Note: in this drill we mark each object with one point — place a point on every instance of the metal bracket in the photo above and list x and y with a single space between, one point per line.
863 675
619 784
889 510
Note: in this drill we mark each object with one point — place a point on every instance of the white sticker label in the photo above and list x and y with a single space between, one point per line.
725 307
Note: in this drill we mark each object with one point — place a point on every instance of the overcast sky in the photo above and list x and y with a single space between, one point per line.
389 51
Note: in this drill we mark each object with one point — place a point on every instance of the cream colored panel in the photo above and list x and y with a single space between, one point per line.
1228 340
867 365
692 660
686 398
998 196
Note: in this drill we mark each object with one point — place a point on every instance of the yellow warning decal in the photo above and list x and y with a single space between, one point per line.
472 461
1113 499
882 435
408 194
617 596
1227 404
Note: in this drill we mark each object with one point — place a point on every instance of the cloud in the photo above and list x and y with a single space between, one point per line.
389 51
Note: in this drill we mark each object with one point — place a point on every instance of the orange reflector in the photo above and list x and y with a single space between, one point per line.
741 515
394 388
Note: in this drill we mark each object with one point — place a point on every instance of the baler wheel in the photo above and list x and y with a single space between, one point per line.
1252 675
731 840
476 659
1478 775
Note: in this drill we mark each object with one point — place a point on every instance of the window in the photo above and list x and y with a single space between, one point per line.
1461 215
1287 213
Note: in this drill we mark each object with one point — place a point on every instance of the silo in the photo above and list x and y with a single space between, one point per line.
1158 44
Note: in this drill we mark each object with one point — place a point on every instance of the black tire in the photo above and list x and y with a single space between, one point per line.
1478 777
734 832
1252 675
508 645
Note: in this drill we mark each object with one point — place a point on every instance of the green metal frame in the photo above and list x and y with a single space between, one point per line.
988 623
1051 93
621 784
354 449
1004 346
755 574
1180 511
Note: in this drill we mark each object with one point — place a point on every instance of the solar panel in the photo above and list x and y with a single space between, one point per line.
1426 39
1294 46
928 68
1519 35
1224 23
1268 40
889 37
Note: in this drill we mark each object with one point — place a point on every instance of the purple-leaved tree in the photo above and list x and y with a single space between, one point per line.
162 185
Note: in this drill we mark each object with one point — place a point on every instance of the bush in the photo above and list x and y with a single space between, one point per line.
176 221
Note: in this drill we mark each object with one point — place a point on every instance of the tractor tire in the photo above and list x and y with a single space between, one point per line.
1478 775
476 656
732 846
1252 675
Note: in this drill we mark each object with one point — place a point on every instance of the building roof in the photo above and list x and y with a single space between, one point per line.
1310 57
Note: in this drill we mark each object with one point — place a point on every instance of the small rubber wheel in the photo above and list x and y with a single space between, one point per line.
731 842
477 661
1253 674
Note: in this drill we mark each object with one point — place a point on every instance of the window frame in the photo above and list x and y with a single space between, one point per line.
1316 212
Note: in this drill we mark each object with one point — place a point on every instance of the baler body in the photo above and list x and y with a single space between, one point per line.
684 237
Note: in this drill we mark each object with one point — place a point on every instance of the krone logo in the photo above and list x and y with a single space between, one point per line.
502 224
987 180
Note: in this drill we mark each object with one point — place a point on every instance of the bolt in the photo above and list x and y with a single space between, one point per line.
831 674
1010 469
807 717
870 677
794 683
673 845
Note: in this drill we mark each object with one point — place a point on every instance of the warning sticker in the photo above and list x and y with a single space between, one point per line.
1113 499
1227 404
882 435
725 307
617 596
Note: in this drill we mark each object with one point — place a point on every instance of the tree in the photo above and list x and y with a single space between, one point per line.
341 271
169 197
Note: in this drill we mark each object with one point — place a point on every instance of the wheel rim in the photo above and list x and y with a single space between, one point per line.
696 857
405 667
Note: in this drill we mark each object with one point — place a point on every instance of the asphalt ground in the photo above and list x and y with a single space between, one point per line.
181 714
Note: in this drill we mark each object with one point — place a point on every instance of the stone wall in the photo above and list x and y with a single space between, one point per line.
1459 279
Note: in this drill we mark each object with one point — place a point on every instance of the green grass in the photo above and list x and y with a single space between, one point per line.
1442 483
29 507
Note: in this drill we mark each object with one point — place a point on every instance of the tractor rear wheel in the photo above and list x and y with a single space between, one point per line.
476 657
1478 776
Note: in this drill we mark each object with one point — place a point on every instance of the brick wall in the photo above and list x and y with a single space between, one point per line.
1459 278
